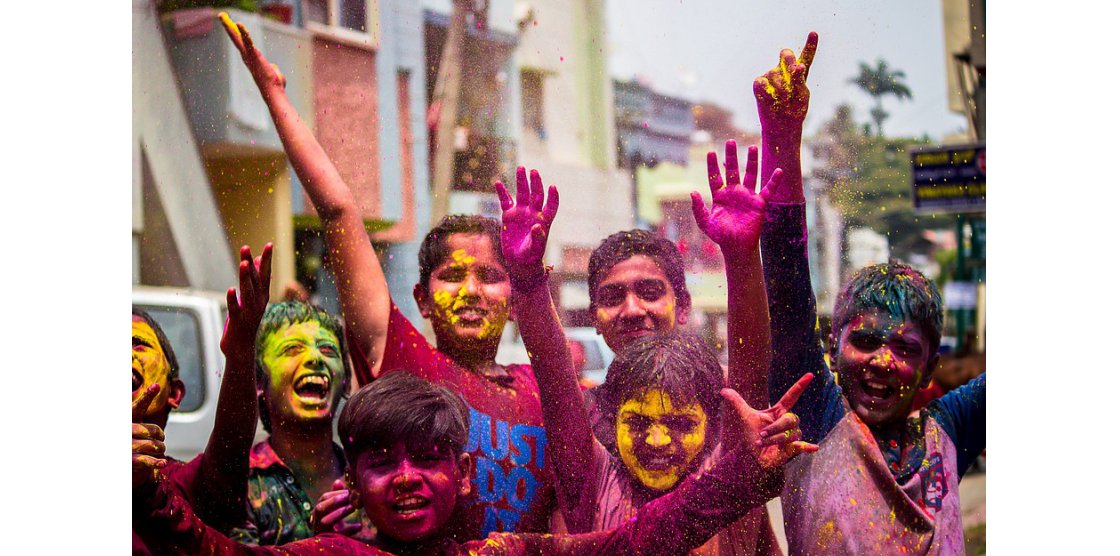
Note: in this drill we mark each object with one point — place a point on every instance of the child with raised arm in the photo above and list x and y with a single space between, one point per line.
884 481
214 481
405 466
661 391
464 290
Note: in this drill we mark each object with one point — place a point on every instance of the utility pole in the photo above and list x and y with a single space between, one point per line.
446 97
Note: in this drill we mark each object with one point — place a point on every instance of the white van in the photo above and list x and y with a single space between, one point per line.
193 321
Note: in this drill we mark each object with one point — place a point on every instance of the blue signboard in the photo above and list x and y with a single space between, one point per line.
949 179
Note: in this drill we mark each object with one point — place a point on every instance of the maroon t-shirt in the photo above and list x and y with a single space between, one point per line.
182 478
512 487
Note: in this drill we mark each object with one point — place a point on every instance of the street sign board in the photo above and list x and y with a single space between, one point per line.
948 179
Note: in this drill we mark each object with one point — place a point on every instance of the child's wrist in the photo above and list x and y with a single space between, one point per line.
526 280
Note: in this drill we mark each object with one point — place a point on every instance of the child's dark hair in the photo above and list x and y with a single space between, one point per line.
677 362
898 290
402 407
168 351
288 313
622 245
434 250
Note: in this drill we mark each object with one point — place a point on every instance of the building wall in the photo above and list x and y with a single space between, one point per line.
346 90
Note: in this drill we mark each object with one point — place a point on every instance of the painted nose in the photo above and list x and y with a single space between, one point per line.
406 478
314 360
631 306
658 436
884 359
470 286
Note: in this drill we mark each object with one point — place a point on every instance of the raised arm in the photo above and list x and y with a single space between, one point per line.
525 225
735 223
362 288
224 467
782 96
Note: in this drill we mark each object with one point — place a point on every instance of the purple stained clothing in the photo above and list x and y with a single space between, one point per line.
671 524
843 499
847 498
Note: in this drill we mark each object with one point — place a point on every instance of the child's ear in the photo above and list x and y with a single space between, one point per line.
423 302
464 465
176 391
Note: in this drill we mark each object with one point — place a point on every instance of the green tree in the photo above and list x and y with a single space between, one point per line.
869 181
879 82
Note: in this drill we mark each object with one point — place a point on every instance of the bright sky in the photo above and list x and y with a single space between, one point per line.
713 49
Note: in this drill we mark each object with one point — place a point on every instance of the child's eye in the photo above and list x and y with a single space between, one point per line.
610 296
637 422
491 275
680 424
329 350
650 290
292 349
453 275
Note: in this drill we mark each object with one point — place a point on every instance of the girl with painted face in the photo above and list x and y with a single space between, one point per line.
662 392
464 290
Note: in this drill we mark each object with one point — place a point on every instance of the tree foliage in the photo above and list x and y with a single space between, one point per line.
869 179
878 82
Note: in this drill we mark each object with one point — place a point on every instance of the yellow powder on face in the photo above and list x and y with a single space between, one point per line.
657 407
460 256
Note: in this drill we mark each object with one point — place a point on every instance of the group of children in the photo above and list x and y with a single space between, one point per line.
445 451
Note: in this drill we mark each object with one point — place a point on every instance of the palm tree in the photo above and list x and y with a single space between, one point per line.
877 82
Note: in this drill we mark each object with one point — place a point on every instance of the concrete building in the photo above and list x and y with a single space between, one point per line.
220 168
564 121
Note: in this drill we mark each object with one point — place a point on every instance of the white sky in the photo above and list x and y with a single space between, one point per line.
713 50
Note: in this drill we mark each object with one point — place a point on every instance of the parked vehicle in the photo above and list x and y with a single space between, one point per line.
587 347
193 321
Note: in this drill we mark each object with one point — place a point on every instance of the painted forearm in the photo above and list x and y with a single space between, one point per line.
748 331
781 148
225 463
167 523
570 441
703 505
363 290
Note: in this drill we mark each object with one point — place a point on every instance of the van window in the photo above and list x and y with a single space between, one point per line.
593 357
184 332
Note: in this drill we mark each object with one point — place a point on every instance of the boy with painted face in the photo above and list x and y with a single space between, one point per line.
661 391
884 481
406 468
214 481
464 291
302 373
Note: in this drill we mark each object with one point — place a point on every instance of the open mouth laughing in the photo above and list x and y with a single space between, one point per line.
313 389
137 380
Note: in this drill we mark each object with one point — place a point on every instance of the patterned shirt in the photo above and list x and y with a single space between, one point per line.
279 511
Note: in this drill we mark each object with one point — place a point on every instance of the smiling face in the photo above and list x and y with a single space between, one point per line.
150 366
306 373
635 299
660 442
882 361
467 298
409 494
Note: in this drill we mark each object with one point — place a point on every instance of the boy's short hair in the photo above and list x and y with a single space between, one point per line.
677 362
897 289
172 362
434 250
288 313
622 245
402 407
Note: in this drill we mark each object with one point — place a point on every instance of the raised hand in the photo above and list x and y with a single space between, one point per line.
773 433
147 441
244 313
525 226
737 214
329 514
781 93
262 71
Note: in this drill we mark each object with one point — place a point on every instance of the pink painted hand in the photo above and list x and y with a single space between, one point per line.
329 514
782 93
774 434
737 214
525 226
263 72
244 314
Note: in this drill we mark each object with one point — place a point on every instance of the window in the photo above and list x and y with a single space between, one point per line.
532 101
347 14
183 331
